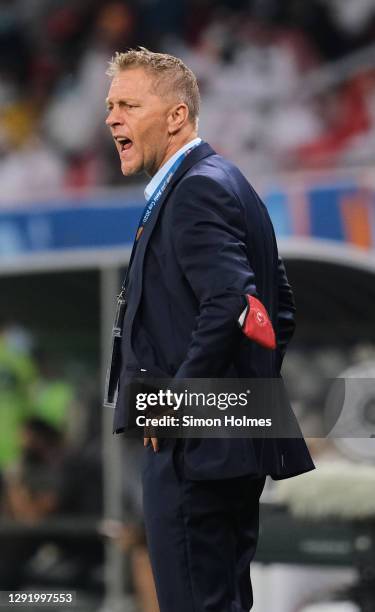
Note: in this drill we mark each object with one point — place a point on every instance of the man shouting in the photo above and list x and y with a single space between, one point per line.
205 245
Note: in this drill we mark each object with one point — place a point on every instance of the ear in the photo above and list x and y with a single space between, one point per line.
178 116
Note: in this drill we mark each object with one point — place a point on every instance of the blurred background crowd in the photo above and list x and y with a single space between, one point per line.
288 94
258 62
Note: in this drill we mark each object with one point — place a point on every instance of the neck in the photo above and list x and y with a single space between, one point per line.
173 146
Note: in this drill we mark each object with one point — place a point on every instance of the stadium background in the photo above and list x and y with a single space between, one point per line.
288 93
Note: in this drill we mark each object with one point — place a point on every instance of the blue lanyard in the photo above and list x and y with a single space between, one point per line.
151 204
154 199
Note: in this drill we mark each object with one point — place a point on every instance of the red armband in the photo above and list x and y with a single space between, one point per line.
256 324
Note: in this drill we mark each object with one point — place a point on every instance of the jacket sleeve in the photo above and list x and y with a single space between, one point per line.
286 311
209 242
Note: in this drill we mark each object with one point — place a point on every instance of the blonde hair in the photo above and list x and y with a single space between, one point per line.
172 75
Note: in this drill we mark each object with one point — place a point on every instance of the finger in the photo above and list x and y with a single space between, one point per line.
146 441
155 444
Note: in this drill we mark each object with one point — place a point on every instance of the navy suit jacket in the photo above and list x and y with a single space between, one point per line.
208 243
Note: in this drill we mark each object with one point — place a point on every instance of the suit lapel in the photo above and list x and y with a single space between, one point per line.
200 152
197 154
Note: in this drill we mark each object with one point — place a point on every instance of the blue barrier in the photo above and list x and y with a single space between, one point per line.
110 221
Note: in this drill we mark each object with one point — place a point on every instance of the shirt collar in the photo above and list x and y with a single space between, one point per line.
162 172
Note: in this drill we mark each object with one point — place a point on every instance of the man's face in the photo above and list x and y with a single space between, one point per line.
137 118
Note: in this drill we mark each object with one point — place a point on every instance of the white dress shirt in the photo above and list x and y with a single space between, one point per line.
162 172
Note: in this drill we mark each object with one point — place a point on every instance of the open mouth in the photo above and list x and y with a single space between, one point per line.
125 143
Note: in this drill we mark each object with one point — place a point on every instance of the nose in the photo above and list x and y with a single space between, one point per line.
114 118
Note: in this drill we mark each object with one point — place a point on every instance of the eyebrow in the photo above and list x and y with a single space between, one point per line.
132 100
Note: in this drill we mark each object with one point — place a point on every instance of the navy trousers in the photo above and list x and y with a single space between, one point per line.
202 535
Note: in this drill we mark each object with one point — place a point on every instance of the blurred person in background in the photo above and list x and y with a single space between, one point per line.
113 25
28 164
31 385
54 395
51 478
34 482
258 51
130 535
31 493
131 539
18 376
